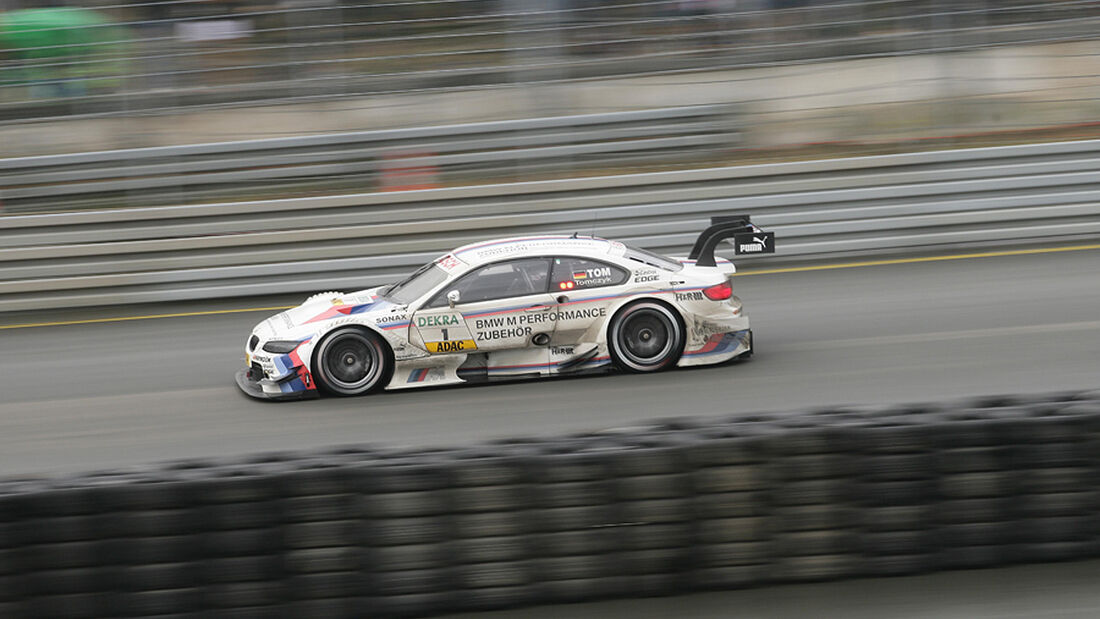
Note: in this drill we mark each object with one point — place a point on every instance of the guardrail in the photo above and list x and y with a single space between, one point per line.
1014 194
691 504
396 158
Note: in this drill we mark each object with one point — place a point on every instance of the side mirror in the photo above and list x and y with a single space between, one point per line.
452 298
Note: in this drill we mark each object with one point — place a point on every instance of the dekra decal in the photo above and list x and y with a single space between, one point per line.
442 320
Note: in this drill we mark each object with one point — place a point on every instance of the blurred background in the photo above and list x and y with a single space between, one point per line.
731 81
128 324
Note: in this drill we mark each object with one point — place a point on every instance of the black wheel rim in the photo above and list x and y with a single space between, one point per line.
351 362
645 337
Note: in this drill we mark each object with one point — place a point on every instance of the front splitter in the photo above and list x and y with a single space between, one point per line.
253 389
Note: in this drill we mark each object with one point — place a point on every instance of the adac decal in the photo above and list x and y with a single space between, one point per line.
440 320
448 346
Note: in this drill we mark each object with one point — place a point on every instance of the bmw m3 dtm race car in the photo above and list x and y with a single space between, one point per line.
528 306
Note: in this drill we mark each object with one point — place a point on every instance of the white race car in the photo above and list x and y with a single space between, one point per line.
529 306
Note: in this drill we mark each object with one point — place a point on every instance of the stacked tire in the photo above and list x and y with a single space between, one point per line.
812 493
242 543
404 507
322 557
150 526
489 500
682 505
651 491
896 469
13 497
574 534
1055 458
732 535
54 563
975 484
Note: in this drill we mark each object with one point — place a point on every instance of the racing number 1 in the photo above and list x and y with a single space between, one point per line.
445 338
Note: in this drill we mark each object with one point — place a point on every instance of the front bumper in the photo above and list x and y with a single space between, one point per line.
255 388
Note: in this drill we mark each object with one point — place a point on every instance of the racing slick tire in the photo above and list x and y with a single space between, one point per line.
646 336
352 361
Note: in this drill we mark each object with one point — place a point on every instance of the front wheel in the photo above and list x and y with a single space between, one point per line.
646 336
352 361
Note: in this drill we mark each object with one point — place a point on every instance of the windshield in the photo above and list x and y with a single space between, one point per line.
653 259
416 285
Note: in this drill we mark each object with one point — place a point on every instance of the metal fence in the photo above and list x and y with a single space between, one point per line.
1021 194
397 159
109 58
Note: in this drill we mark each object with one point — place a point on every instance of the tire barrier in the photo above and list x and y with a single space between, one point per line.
682 505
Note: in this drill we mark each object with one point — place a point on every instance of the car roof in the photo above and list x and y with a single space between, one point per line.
541 245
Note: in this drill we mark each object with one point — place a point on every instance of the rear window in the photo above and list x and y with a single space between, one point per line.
652 259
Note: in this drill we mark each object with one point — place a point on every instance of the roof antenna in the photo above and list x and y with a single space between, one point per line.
595 216
574 235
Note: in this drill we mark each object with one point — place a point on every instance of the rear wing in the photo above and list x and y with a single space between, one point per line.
747 239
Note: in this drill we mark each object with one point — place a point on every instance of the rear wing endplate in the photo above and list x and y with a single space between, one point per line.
747 239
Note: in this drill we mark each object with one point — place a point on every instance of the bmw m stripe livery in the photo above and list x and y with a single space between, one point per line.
528 306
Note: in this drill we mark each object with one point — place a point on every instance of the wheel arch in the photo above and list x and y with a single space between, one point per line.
621 306
359 326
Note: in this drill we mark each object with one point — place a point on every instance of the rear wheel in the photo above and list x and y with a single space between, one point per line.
646 336
352 361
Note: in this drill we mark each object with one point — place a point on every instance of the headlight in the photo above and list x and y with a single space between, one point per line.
281 347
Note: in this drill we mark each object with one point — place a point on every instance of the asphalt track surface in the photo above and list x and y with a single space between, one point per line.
1061 591
89 396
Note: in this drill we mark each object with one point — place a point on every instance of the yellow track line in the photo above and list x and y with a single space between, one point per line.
875 263
820 267
149 317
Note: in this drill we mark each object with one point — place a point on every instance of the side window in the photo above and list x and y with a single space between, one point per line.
500 280
580 273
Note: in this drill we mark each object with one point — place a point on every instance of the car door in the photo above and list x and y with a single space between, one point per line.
501 306
584 288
